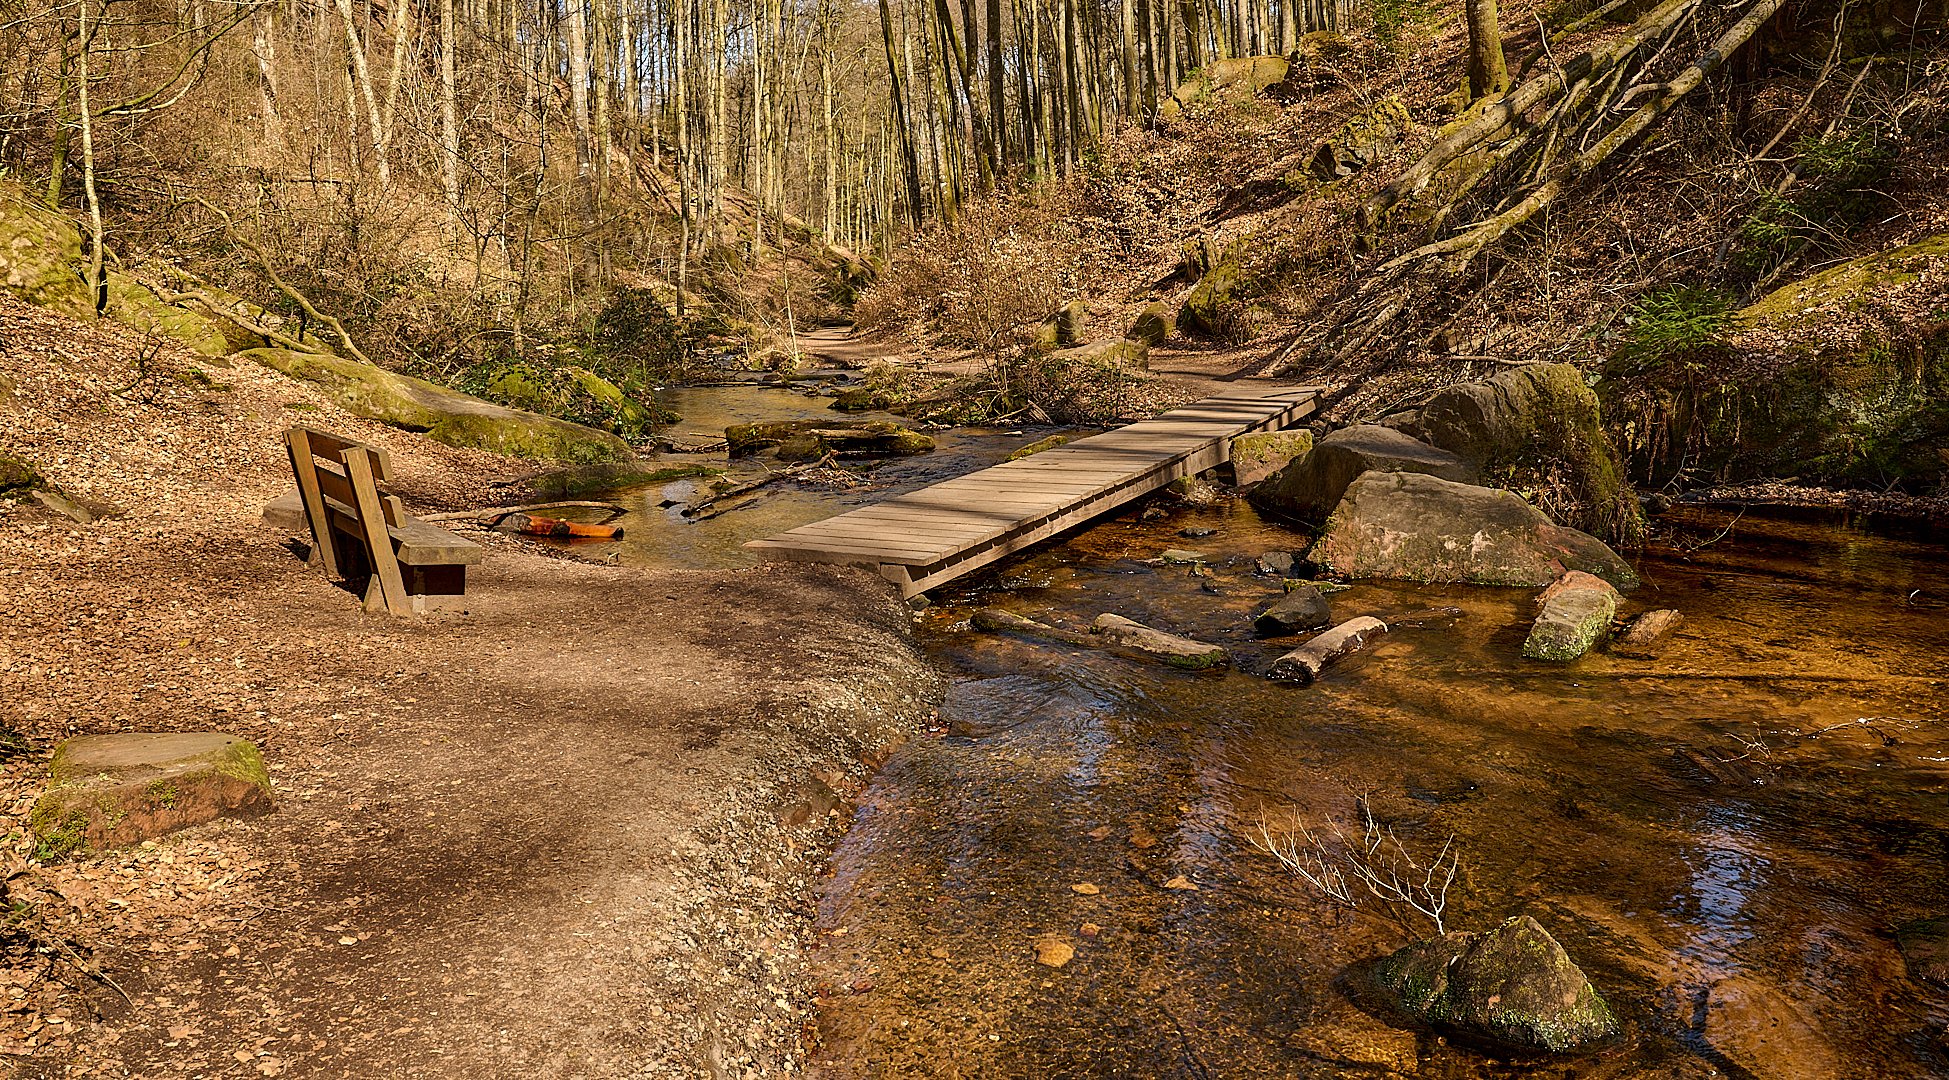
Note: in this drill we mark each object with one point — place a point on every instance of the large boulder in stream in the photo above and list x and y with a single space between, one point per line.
1513 986
449 416
810 440
1309 487
1541 423
1576 613
1423 528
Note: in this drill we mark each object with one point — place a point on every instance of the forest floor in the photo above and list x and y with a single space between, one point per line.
574 831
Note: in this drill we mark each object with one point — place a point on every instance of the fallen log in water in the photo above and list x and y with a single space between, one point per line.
494 513
997 621
1305 663
532 525
1178 652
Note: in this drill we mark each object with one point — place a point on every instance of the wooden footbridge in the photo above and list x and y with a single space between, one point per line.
932 536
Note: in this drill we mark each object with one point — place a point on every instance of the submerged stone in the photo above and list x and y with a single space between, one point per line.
1512 986
1925 949
1304 608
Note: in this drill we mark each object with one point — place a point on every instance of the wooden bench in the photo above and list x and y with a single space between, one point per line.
359 531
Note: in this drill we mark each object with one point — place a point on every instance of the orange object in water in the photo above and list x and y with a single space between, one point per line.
561 530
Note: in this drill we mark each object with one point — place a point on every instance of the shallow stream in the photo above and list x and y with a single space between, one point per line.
1724 837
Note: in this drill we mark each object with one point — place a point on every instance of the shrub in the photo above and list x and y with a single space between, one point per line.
1675 330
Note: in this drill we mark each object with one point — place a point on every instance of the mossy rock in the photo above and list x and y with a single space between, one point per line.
1240 76
1120 353
107 791
1368 136
40 254
1153 324
1063 326
809 440
233 316
1261 455
132 304
1577 612
449 416
1539 425
1864 407
1204 307
1038 446
17 475
577 481
1513 986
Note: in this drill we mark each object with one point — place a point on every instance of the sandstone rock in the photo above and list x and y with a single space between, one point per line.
1646 636
1424 528
1511 986
1260 455
1365 138
1763 1029
1536 419
111 790
1178 652
809 440
1304 664
1577 613
1311 486
79 511
1153 324
449 416
132 304
1925 949
1240 76
16 474
1053 951
998 621
1301 609
286 513
1038 446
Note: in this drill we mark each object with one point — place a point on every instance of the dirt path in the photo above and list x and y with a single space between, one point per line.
572 832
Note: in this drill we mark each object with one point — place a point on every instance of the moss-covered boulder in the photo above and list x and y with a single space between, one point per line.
1063 326
108 791
1417 527
40 254
1262 454
239 320
1839 378
1153 324
1368 136
810 440
1205 306
1311 485
1576 613
1513 986
132 304
566 392
1238 77
449 416
17 475
1539 427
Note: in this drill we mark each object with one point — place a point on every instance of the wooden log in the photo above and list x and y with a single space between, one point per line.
490 513
997 621
1178 652
533 525
1304 664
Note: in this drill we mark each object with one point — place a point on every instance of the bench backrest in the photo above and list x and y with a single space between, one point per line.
349 514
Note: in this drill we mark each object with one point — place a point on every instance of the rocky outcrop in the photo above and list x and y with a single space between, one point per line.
1260 455
1177 652
1835 378
810 440
16 474
40 254
109 791
1541 424
1240 76
1311 486
1304 664
1576 613
449 416
133 304
1513 986
570 393
1299 610
1423 528
1366 137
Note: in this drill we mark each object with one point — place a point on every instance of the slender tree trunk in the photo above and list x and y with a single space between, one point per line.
362 80
449 118
1488 72
909 161
97 280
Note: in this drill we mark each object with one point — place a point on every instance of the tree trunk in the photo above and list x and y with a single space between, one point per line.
910 162
1488 71
449 119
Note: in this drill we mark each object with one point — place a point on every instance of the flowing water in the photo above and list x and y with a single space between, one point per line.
1724 837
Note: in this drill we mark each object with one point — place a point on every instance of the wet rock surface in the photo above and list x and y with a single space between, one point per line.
1423 528
1170 649
1304 608
1512 986
1576 613
1306 663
